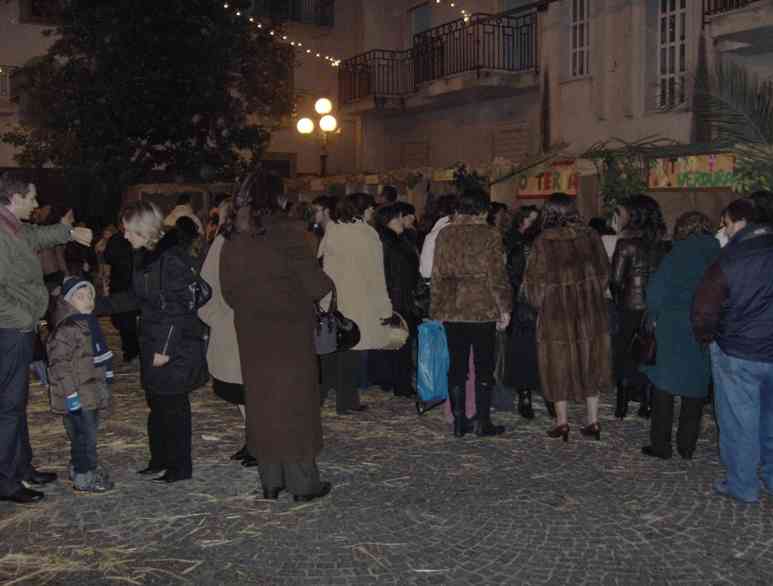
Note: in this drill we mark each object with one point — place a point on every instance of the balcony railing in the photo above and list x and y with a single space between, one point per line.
376 73
712 7
316 12
506 43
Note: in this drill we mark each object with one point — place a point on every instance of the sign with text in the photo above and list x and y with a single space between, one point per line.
560 176
693 172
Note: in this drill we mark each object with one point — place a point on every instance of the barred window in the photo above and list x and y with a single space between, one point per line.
5 82
580 34
672 52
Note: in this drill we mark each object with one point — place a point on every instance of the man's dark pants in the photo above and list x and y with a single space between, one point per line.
15 450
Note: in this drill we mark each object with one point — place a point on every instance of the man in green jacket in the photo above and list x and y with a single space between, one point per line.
23 301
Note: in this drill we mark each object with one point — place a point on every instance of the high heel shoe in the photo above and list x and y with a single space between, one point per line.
561 431
593 430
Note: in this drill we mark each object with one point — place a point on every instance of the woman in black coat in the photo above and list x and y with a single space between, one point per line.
167 291
522 372
393 368
638 253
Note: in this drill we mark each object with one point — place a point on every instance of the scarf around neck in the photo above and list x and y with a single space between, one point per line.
103 357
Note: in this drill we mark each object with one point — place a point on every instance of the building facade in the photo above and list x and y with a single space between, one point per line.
424 84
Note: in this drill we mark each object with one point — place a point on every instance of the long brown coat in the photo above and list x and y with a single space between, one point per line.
271 282
567 274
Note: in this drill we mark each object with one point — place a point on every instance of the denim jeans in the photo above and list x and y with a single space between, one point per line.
15 450
744 405
82 431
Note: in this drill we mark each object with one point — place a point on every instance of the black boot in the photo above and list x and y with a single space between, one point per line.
645 407
621 409
551 408
524 404
457 397
483 425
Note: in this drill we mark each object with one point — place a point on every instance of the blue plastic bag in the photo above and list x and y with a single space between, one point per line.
433 362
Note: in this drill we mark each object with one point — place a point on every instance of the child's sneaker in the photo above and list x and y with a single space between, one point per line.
92 481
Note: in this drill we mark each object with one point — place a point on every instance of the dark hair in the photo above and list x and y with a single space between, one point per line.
763 202
405 208
386 214
327 202
12 184
184 199
352 207
445 205
646 216
521 214
493 211
600 225
390 193
741 209
257 197
692 223
560 210
188 235
473 202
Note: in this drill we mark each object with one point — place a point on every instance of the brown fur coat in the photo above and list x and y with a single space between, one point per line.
566 278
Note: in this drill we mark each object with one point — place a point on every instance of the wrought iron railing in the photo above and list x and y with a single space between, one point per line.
712 7
316 12
480 42
376 73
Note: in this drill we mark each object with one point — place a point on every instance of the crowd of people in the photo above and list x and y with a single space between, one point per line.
532 301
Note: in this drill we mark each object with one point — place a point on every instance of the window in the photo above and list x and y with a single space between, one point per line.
421 19
579 23
315 12
40 11
672 52
513 4
5 83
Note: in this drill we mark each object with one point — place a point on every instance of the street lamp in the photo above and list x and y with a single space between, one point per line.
326 125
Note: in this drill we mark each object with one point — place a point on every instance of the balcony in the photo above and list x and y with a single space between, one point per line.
485 54
713 7
312 12
743 28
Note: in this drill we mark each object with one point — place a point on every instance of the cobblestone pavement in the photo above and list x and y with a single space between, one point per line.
410 505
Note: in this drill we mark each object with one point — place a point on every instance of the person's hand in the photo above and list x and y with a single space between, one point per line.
160 359
68 218
503 322
82 236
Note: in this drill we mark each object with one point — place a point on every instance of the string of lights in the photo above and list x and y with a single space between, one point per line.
332 60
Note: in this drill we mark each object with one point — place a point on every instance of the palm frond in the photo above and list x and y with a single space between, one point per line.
736 106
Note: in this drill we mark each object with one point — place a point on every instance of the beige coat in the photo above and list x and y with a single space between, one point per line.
223 352
353 257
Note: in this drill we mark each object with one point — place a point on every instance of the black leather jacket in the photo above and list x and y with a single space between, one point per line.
632 264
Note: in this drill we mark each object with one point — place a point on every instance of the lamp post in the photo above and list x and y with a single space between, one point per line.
327 124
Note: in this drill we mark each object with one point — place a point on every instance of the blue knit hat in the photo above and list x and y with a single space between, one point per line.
72 284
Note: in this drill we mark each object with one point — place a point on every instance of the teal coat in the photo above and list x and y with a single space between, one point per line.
683 366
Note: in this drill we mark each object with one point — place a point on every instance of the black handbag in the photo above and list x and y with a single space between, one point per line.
644 346
332 331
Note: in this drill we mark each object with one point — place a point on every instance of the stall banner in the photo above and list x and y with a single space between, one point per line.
560 176
693 172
